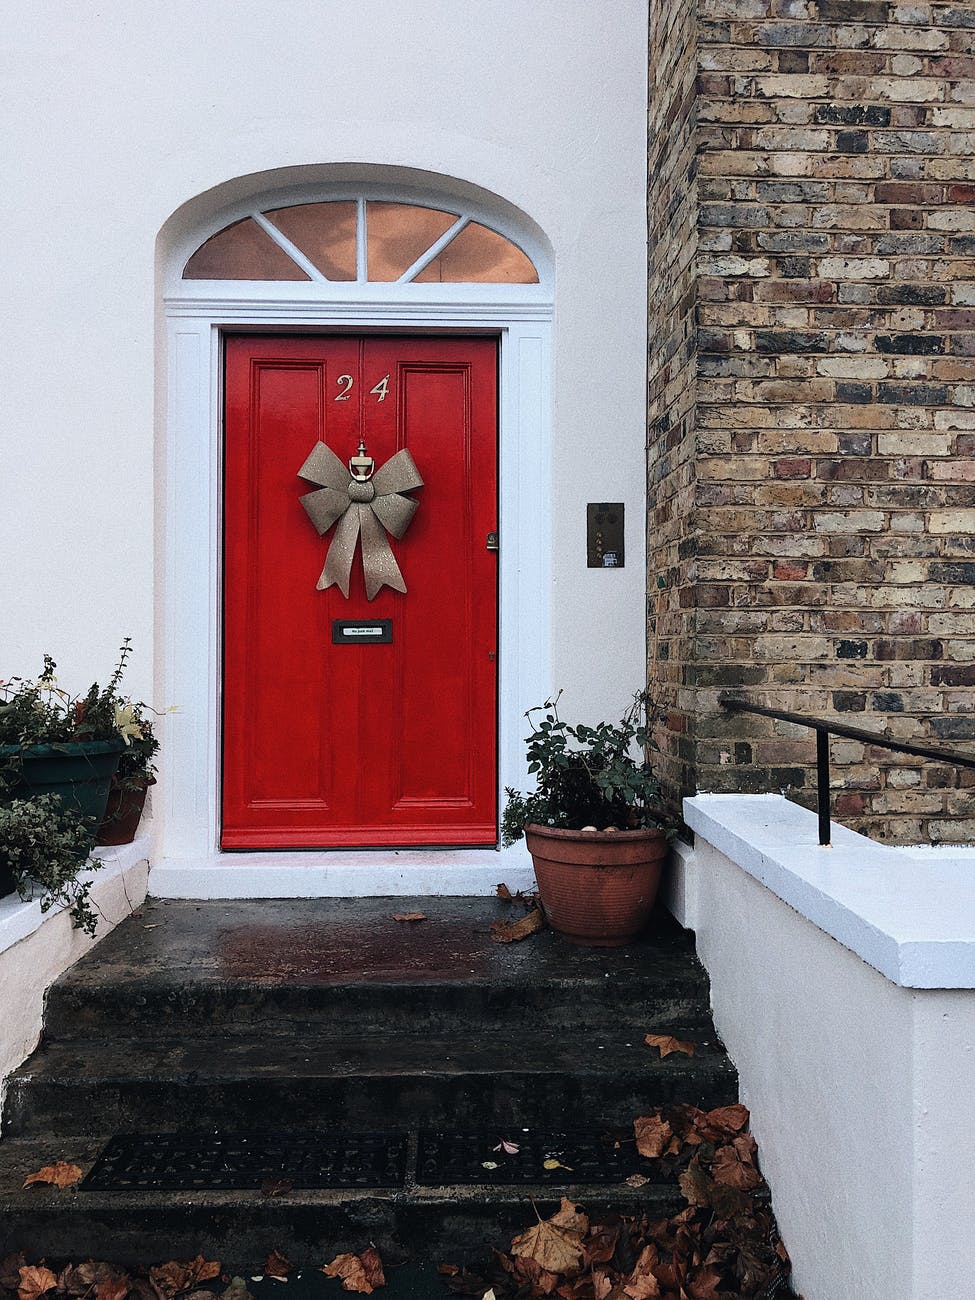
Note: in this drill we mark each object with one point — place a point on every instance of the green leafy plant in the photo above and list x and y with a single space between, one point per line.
586 776
44 844
42 713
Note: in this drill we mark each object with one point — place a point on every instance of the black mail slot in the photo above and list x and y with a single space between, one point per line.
362 631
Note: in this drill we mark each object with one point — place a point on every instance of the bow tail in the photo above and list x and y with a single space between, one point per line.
378 562
338 562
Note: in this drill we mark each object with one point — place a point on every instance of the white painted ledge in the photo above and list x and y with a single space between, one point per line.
19 919
909 914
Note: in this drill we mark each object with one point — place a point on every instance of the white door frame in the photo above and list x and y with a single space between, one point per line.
187 860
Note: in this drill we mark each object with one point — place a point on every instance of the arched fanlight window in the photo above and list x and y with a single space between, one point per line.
357 240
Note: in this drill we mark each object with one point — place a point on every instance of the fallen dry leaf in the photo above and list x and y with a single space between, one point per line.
554 1246
513 931
35 1280
666 1043
636 1180
60 1174
277 1187
509 1148
409 916
505 893
733 1165
277 1265
448 1270
724 1121
183 1275
653 1135
361 1273
550 1162
113 1288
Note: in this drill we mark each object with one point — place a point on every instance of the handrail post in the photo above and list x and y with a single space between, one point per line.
822 784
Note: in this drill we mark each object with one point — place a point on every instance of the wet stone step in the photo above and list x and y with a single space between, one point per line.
468 1081
288 964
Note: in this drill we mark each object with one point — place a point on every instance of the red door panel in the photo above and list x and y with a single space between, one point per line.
363 744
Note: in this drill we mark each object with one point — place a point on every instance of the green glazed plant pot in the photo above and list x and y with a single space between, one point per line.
79 772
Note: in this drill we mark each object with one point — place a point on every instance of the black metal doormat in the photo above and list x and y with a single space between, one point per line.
549 1159
133 1162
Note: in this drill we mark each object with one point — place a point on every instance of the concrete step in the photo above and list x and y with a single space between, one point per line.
239 1228
297 967
510 1078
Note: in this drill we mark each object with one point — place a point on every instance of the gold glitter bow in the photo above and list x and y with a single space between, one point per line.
364 503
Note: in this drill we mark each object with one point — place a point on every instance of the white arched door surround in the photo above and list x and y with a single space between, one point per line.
186 859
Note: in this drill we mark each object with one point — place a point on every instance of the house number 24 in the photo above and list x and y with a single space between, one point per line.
346 384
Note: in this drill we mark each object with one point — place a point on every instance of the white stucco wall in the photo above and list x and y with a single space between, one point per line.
858 1083
116 115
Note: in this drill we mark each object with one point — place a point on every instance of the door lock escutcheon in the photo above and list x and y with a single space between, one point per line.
492 542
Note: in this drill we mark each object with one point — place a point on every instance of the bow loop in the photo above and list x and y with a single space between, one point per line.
346 501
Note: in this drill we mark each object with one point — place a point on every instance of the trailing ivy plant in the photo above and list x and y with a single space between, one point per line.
44 843
587 776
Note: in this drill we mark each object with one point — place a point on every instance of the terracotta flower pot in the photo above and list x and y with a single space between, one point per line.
598 888
123 813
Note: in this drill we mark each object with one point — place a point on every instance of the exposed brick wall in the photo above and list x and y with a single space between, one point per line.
673 211
831 536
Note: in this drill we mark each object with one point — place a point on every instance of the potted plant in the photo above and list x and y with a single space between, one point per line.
43 843
133 776
594 825
52 743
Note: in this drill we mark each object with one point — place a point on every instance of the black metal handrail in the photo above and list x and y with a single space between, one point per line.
824 728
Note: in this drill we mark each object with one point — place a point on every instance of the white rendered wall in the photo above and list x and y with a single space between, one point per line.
36 947
116 115
859 1087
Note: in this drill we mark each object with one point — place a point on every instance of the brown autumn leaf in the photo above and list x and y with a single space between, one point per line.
723 1121
653 1135
513 931
667 1043
60 1174
695 1184
276 1187
733 1167
363 1273
448 1270
409 916
505 893
10 1267
554 1246
113 1288
277 1265
35 1280
636 1180
703 1285
183 1275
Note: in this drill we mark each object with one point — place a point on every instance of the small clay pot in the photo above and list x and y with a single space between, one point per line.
122 815
598 887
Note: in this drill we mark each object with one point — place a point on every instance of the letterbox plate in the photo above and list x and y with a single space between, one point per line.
362 631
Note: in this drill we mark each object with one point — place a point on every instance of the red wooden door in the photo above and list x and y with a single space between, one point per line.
360 743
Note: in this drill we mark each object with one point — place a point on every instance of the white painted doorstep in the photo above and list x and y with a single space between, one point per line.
909 913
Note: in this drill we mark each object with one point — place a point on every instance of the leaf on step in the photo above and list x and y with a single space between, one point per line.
183 1275
666 1043
505 893
60 1174
35 1280
723 1122
448 1270
409 916
113 1288
734 1166
554 1244
653 1135
509 1148
363 1273
513 931
551 1162
277 1265
695 1184
636 1180
277 1187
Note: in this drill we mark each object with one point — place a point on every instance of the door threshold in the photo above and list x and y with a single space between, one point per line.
342 873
